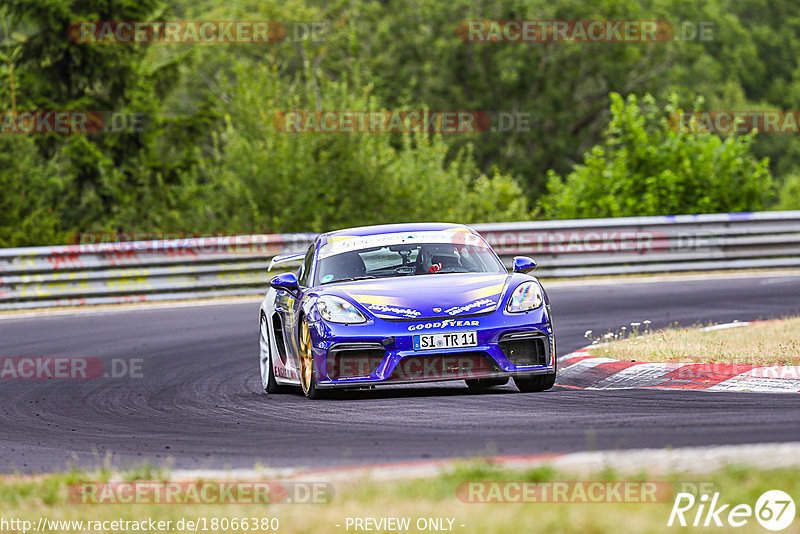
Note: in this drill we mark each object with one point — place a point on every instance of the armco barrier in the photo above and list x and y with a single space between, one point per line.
631 245
141 271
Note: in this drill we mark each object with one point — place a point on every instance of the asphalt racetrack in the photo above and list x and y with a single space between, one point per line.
199 404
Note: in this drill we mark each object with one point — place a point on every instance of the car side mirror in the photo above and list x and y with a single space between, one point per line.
523 264
286 282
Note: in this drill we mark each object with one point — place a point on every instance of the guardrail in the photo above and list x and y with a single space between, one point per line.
632 245
139 271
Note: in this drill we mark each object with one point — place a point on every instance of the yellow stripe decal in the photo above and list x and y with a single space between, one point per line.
334 238
491 291
378 299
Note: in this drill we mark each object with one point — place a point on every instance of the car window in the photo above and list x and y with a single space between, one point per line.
406 257
304 272
384 258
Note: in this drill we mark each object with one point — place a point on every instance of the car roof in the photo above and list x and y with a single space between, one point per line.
378 229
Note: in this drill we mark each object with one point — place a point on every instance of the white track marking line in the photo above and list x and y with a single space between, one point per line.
122 308
582 283
631 461
644 375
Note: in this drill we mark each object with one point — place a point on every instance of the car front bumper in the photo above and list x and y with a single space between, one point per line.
382 352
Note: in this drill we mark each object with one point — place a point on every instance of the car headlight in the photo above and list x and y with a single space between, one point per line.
337 310
526 297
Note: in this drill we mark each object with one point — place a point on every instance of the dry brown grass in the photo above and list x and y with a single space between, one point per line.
768 343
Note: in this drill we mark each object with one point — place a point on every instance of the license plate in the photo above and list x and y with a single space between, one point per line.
450 340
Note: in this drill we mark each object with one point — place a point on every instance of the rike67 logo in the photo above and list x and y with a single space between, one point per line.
774 510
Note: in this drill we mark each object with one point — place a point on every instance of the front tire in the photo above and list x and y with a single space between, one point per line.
268 381
308 379
532 384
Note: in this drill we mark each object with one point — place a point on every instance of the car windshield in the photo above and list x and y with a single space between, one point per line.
391 255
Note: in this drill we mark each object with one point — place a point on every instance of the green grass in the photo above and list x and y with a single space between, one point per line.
30 498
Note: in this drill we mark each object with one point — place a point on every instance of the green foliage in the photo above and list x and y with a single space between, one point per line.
414 58
646 167
30 194
210 158
789 196
263 179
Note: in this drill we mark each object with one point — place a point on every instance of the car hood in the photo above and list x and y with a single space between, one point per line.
427 296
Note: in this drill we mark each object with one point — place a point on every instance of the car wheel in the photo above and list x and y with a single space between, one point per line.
535 383
308 379
483 383
268 381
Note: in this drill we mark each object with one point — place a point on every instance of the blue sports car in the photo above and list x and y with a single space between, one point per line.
405 303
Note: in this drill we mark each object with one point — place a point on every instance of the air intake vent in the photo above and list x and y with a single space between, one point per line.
347 361
525 351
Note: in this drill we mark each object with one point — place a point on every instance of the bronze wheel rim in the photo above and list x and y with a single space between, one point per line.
306 358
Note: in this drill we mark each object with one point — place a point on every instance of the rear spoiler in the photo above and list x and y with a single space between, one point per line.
286 258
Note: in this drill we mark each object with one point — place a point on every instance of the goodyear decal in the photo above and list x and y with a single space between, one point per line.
443 324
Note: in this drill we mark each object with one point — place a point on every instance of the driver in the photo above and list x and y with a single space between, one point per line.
434 258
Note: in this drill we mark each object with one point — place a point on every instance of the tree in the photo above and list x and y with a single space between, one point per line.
264 179
32 192
644 166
